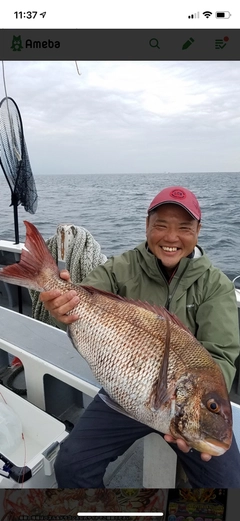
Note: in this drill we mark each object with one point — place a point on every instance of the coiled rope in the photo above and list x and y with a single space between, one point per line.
82 256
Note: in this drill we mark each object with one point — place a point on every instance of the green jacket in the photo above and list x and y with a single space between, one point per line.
199 294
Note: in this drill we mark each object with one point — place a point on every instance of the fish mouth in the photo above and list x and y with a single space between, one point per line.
212 446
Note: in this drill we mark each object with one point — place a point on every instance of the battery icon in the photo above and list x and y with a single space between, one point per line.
222 14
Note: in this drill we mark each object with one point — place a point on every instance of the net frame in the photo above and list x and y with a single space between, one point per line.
14 160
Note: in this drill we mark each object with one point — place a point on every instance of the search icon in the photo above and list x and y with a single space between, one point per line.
154 43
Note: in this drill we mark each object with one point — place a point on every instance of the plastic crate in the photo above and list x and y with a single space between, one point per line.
31 464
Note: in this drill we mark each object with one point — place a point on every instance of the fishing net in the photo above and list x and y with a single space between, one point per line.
14 157
15 165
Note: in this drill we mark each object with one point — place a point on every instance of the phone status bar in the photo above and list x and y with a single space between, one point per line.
109 14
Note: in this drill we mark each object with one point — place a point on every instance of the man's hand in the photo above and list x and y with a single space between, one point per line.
58 305
182 445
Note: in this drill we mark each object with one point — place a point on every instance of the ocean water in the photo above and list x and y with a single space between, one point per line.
113 208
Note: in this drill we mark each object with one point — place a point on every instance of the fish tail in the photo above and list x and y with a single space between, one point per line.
35 261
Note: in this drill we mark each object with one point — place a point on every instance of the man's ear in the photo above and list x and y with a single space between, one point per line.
147 223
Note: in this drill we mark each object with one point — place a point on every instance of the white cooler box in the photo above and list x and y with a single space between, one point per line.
31 464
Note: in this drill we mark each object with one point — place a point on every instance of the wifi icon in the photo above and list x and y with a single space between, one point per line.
207 14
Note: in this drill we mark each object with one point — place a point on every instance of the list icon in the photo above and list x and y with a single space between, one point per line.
221 43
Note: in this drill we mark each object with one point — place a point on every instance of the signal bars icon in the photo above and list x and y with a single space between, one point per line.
195 15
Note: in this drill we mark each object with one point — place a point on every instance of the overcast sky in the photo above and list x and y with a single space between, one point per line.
128 117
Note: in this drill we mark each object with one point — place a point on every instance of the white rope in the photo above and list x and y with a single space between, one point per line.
83 255
4 80
78 69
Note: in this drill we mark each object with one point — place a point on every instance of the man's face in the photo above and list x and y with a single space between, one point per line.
171 234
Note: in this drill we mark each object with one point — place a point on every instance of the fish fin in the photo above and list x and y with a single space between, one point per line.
164 396
161 391
69 334
114 405
164 313
173 318
158 310
35 257
92 291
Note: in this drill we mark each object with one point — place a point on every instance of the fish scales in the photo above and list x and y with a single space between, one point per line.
126 355
151 366
113 352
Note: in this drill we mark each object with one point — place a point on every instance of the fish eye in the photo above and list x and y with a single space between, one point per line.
213 406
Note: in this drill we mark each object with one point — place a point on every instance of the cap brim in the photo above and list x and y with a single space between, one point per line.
174 202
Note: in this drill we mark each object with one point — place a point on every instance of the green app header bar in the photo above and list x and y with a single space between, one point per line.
120 44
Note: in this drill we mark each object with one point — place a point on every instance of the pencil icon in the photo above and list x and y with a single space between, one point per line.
187 44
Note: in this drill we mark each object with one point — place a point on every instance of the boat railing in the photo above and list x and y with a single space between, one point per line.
237 289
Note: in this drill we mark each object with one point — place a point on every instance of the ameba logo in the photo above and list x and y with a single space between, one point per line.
17 44
45 44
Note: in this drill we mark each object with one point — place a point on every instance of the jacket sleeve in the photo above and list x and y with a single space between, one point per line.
102 277
218 327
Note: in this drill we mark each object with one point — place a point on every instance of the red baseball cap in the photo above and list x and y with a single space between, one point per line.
177 195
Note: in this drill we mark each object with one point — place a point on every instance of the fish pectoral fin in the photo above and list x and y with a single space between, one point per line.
161 391
114 405
162 396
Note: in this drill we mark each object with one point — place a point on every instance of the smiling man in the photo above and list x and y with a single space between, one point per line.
170 270
172 229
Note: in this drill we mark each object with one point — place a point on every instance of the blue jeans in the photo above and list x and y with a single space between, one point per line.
102 434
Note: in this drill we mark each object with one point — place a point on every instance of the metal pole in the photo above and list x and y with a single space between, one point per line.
16 228
15 215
